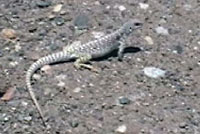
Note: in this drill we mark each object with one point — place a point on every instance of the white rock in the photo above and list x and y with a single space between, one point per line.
13 63
97 34
46 69
57 8
61 77
149 40
121 129
36 76
122 8
61 84
24 103
143 6
108 7
154 72
77 90
162 30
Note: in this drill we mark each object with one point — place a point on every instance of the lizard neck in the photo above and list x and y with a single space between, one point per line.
119 34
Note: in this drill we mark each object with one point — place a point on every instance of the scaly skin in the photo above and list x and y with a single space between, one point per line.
84 53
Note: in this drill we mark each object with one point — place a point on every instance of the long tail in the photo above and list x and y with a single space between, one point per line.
56 57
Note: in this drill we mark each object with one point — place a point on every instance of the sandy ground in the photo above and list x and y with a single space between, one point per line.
120 98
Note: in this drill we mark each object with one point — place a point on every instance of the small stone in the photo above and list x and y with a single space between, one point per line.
81 21
149 40
154 72
13 63
121 129
61 77
182 125
24 103
61 84
6 118
36 76
74 124
57 8
178 49
143 6
53 46
59 21
124 100
43 4
63 13
77 90
9 33
51 16
47 91
46 69
122 8
28 118
162 30
97 34
17 47
97 3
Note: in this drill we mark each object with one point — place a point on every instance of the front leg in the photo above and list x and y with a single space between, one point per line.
82 60
121 50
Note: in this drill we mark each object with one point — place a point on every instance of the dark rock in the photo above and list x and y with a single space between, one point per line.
59 21
124 100
74 124
81 21
43 4
178 49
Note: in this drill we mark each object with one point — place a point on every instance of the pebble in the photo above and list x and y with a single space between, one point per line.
28 118
77 90
61 77
149 40
13 63
59 21
57 8
46 69
81 21
9 33
124 100
178 49
24 103
154 72
43 4
143 6
182 125
74 124
120 7
97 34
61 84
161 30
36 76
121 129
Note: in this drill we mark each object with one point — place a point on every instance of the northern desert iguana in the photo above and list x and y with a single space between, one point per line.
84 53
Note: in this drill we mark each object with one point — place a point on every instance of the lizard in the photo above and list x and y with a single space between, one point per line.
83 53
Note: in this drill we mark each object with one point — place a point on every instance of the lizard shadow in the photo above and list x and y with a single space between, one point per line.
114 53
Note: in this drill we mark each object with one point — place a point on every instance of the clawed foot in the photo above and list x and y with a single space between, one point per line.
90 67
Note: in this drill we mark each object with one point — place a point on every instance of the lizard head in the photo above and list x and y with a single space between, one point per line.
131 25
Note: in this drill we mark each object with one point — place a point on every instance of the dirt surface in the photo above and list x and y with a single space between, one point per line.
120 98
